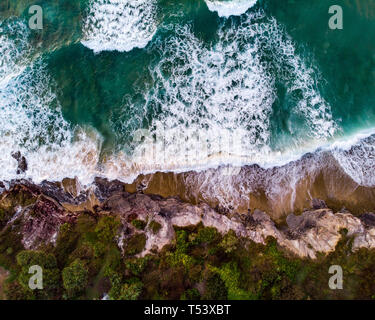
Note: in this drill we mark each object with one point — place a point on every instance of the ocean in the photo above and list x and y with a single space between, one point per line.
235 102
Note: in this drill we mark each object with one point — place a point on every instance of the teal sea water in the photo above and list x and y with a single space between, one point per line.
117 88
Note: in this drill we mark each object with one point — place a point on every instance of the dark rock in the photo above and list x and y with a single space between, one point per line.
41 223
222 210
22 163
260 216
368 219
317 204
54 190
299 224
293 221
250 222
105 189
16 155
118 204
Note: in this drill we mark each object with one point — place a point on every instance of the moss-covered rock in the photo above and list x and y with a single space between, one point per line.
155 226
139 224
135 244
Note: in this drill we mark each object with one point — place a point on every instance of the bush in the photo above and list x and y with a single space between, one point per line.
107 228
136 266
131 291
75 277
231 276
139 224
51 274
135 244
207 235
191 294
14 291
65 243
155 227
230 242
215 288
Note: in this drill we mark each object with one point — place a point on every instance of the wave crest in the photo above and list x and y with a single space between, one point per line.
119 25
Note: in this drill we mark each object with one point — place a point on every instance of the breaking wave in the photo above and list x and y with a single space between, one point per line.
214 103
31 120
119 25
227 8
212 106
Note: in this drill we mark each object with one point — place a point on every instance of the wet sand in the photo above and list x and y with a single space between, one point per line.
277 191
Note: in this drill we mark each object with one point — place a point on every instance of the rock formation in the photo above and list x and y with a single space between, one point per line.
49 205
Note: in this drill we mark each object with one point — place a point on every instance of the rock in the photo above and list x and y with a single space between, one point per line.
105 189
368 219
22 163
72 186
35 216
317 204
40 223
311 232
292 221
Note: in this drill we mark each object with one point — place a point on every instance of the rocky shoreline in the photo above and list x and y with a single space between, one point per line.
44 208
107 242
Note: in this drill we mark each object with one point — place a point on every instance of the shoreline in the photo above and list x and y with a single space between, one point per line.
68 201
331 174
146 243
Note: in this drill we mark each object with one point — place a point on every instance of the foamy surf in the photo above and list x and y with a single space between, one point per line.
14 49
31 121
227 8
216 107
215 110
120 25
212 106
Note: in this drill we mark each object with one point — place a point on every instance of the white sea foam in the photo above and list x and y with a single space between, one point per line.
13 52
215 102
119 25
356 156
227 8
31 121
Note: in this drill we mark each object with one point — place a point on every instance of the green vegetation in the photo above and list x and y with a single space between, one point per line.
86 263
135 244
139 224
75 277
155 226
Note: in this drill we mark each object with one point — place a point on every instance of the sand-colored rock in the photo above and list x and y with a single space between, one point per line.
315 230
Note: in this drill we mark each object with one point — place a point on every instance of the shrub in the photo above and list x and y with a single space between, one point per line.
155 227
75 277
207 235
139 224
191 294
231 276
215 288
107 228
51 274
229 242
135 244
131 291
136 265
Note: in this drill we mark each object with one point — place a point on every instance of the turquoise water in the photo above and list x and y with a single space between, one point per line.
119 88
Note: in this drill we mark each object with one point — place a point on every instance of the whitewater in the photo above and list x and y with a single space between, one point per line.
214 103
